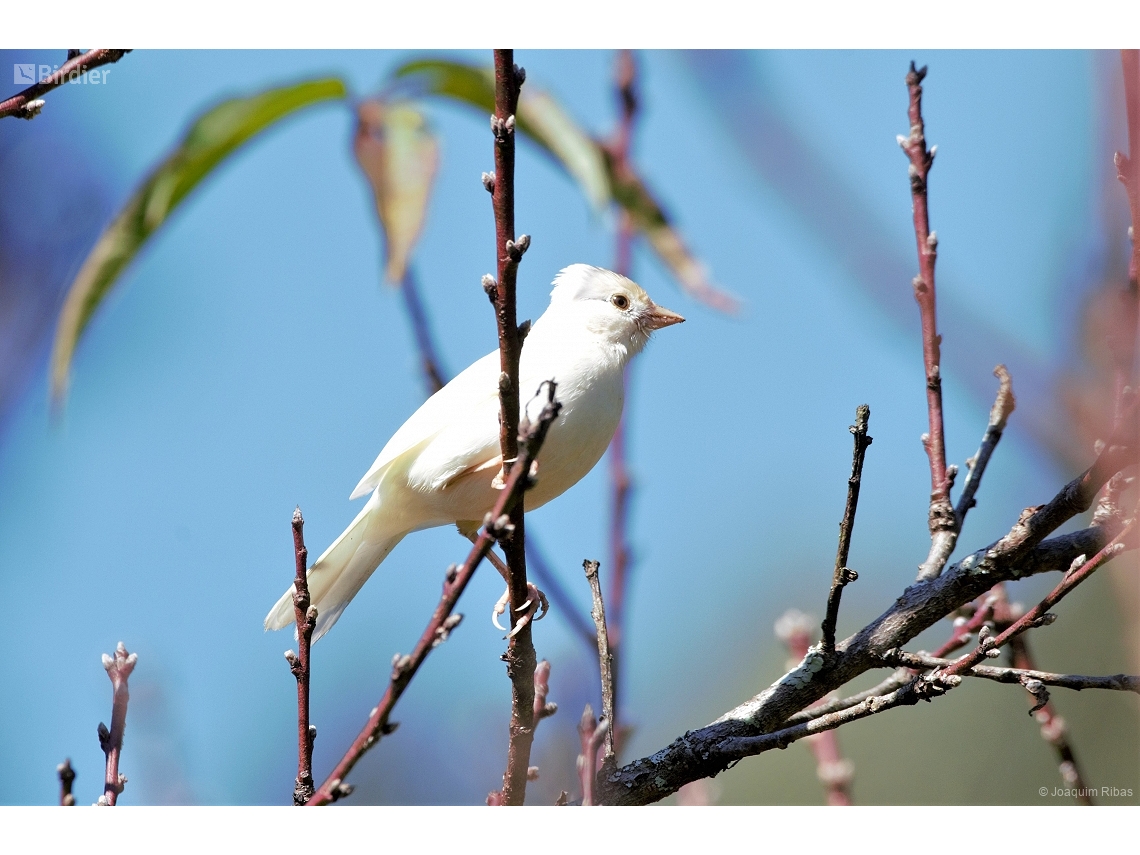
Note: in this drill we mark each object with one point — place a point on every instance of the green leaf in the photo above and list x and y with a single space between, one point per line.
587 160
213 137
399 155
540 117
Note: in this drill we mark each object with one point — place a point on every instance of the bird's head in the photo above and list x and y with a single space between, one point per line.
609 305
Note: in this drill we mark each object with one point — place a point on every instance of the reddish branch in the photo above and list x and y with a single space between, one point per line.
28 104
591 734
66 779
520 656
844 574
119 668
941 479
496 526
831 767
305 616
1128 167
1081 568
621 485
994 609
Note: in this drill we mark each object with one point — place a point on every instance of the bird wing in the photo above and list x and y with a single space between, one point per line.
455 429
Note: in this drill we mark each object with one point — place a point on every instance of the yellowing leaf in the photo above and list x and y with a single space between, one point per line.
397 151
540 117
213 137
586 160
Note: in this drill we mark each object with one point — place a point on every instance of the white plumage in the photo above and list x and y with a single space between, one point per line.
439 467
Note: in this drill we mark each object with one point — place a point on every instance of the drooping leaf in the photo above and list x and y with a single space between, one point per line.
213 136
399 154
586 160
540 117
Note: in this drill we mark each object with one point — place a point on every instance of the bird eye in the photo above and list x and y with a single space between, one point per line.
620 301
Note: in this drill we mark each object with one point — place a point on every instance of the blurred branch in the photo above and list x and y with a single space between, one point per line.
119 668
591 734
1127 167
941 478
66 779
833 770
496 526
305 616
621 484
27 104
843 574
605 659
1053 728
435 377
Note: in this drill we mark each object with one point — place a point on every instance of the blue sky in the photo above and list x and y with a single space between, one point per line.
250 360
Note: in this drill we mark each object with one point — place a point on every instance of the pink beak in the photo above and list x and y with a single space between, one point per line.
658 317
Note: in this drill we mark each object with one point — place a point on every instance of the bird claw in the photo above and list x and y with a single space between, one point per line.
500 607
535 608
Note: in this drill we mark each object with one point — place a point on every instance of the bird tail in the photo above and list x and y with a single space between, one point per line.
344 567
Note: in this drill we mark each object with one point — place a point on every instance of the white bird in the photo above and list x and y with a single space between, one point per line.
443 465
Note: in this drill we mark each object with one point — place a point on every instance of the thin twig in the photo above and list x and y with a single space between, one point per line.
844 574
1003 406
898 679
943 545
831 767
1077 682
66 779
605 659
496 526
27 104
520 656
1080 570
941 479
305 616
119 668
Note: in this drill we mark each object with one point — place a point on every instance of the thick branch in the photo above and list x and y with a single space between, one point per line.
496 526
914 144
119 668
27 104
831 767
843 574
697 754
305 616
